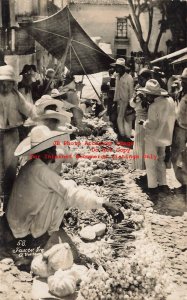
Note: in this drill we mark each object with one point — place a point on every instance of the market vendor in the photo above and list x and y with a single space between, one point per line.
40 197
13 107
57 121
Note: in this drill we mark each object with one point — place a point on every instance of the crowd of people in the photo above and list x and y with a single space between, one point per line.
32 132
156 108
39 111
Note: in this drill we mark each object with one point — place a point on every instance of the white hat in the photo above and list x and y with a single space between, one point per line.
184 74
144 70
40 138
56 93
7 73
62 116
152 87
119 62
46 100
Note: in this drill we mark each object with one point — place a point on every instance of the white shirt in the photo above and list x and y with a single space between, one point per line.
12 106
124 88
160 123
37 186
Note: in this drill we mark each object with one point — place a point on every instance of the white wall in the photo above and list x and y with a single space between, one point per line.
100 20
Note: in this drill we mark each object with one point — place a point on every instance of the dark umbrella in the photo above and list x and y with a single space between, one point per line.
63 37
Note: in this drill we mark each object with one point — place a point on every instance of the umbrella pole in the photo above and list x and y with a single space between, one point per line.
86 74
82 87
63 60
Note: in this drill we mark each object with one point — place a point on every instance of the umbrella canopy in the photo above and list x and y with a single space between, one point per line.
180 60
170 56
61 33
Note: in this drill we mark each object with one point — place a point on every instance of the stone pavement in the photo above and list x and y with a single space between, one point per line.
169 229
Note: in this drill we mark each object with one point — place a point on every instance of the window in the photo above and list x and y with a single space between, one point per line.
121 53
122 27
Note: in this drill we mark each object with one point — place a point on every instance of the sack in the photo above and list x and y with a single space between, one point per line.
59 257
62 284
39 266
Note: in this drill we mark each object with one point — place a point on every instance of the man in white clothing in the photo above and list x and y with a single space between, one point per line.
40 196
158 133
123 94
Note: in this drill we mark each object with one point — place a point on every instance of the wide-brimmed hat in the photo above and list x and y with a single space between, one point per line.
7 73
144 70
152 87
184 74
119 62
55 93
46 100
62 116
40 138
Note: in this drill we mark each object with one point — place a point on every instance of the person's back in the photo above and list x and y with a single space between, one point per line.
162 115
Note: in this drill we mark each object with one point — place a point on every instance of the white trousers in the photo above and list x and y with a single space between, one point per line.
156 169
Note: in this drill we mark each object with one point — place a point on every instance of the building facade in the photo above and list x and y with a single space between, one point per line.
108 19
19 47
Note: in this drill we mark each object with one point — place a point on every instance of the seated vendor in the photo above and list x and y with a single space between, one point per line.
40 197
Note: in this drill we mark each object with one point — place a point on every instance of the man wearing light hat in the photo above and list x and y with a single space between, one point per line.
12 108
158 133
123 94
179 145
40 196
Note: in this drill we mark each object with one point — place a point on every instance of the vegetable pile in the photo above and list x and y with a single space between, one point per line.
131 266
139 277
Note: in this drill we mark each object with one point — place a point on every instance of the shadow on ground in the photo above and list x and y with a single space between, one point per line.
173 202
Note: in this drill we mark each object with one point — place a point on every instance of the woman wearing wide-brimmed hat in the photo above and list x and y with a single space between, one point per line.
158 133
13 107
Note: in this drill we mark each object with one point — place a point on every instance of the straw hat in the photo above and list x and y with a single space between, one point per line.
184 74
46 100
119 62
55 93
62 116
152 87
144 70
41 138
7 73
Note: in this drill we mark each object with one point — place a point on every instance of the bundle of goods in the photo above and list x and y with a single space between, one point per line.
57 267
